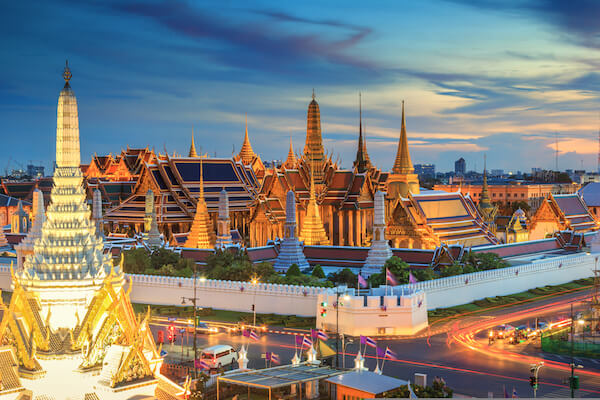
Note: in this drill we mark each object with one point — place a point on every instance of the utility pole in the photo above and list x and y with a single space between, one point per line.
194 303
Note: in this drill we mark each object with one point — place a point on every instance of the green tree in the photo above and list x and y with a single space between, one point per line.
425 274
343 277
136 261
397 267
317 272
455 269
293 270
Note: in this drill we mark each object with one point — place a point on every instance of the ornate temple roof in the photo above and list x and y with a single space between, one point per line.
312 232
202 234
175 182
291 162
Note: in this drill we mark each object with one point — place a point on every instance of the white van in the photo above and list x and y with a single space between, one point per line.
219 356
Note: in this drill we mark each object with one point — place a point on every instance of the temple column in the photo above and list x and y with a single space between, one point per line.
357 222
330 221
364 225
340 216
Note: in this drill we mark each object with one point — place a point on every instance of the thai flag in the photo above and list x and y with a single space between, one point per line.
370 342
515 395
362 282
202 364
275 358
306 342
390 354
390 277
254 336
322 335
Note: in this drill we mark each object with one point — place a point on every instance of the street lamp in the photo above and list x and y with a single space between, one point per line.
194 300
254 282
573 380
344 344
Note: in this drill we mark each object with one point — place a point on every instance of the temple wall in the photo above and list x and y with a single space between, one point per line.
463 289
374 315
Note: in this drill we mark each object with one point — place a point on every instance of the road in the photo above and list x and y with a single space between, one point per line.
459 354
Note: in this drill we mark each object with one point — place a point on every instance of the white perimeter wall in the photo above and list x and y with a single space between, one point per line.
302 301
463 289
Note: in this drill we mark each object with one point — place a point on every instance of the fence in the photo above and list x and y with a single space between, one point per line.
558 343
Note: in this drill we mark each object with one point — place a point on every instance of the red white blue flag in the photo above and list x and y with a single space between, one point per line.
306 342
390 354
202 364
322 335
389 277
254 336
275 358
370 342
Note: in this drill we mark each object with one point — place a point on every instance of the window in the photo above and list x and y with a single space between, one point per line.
493 194
522 195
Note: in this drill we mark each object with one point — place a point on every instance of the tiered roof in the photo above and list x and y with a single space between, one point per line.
569 211
313 232
176 184
202 234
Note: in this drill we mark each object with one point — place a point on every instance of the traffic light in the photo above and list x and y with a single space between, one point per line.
171 334
323 309
574 382
533 382
161 337
253 307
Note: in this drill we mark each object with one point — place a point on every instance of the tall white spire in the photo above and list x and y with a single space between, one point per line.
68 262
67 126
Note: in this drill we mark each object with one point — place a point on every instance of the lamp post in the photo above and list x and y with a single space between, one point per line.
573 383
254 282
194 300
344 344
337 324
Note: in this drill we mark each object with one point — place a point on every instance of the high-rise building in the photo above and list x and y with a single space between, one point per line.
460 166
35 171
425 170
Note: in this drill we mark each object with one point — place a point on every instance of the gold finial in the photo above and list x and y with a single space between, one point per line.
67 72
313 95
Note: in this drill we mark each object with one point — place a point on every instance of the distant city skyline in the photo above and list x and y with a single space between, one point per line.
477 77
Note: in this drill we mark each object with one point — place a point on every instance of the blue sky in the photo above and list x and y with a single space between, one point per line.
502 78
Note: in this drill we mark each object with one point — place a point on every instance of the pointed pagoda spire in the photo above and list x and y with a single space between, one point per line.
486 208
362 162
246 153
202 234
192 152
403 164
314 154
291 162
313 232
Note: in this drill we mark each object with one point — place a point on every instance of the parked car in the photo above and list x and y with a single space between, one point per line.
219 356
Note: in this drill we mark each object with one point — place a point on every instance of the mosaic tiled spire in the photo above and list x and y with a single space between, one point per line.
223 222
487 210
152 234
192 152
290 251
246 153
313 232
313 148
68 263
380 250
202 234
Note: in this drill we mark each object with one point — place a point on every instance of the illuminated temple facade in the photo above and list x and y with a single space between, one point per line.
338 209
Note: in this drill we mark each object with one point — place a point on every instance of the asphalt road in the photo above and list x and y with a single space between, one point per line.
460 355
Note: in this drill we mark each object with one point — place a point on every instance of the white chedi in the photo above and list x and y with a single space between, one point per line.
68 262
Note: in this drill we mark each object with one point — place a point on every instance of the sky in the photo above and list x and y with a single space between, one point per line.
508 79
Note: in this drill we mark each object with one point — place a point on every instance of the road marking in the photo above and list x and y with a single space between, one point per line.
595 361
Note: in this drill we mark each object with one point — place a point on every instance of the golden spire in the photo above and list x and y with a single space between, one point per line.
246 153
202 234
313 147
313 232
487 210
403 164
291 162
192 152
362 162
